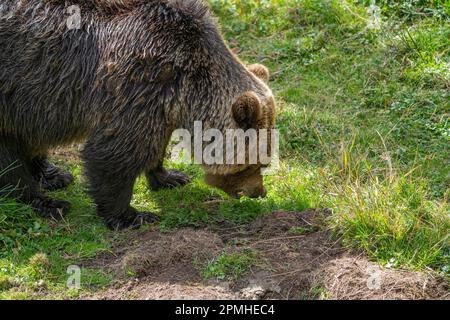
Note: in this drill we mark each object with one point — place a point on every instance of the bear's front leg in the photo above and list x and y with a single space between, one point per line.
161 178
111 172
112 194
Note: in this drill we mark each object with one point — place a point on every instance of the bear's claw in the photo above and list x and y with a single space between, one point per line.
131 220
56 182
50 208
144 218
50 177
171 178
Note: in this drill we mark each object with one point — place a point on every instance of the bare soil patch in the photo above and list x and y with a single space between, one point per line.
297 259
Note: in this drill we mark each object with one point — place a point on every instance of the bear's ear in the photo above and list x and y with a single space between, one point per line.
246 110
260 71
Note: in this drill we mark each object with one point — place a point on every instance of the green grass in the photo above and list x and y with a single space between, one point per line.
230 265
35 252
364 123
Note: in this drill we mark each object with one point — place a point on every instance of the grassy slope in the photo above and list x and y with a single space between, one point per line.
364 124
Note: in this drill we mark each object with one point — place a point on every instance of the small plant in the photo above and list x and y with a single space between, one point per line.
319 292
6 282
230 266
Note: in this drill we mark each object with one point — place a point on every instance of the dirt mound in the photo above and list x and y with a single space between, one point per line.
168 256
165 291
295 245
297 259
356 278
279 223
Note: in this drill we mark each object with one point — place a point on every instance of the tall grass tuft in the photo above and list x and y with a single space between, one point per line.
390 216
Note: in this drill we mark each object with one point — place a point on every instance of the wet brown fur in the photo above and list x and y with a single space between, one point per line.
134 72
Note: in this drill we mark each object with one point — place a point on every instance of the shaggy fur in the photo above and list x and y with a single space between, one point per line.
134 72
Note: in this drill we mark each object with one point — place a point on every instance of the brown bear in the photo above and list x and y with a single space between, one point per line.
122 80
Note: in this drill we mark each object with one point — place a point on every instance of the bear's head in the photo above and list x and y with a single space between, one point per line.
252 110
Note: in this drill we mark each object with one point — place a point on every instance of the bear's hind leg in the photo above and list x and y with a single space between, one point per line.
17 182
162 178
48 176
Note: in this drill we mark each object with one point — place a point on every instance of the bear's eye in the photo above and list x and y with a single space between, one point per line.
166 73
